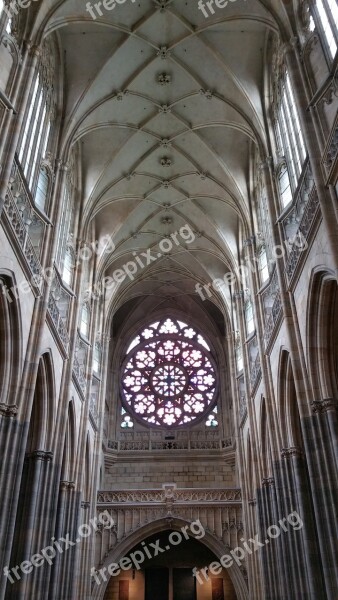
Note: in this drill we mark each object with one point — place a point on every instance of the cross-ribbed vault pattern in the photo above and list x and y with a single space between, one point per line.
165 107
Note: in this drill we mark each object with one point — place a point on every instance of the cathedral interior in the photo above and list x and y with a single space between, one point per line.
169 299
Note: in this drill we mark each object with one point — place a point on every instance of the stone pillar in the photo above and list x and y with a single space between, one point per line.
265 554
300 545
11 432
320 438
255 582
59 580
83 565
28 526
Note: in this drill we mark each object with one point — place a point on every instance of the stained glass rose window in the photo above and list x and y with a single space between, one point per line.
168 375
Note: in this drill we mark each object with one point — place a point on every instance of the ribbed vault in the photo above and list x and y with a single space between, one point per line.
166 107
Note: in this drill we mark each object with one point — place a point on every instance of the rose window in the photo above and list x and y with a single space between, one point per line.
168 375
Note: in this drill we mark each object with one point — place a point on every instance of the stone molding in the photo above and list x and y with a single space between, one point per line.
187 495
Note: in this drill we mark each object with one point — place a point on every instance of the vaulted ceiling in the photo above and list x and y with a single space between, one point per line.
165 105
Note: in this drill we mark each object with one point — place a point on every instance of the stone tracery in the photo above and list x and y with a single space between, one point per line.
168 375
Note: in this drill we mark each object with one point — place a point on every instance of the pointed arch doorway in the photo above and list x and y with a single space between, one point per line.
169 574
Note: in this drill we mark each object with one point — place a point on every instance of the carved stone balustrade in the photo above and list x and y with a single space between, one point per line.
58 324
78 374
293 217
149 445
305 227
330 157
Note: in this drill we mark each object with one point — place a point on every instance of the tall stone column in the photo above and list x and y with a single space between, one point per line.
83 566
300 545
321 437
11 431
59 580
29 525
264 522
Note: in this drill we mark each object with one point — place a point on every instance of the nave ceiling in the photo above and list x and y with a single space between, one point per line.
166 107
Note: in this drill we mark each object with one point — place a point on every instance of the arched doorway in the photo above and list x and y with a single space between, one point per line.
174 568
190 553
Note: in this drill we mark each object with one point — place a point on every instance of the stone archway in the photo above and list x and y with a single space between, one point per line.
158 526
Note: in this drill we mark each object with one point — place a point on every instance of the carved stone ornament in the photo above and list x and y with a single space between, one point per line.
164 79
166 161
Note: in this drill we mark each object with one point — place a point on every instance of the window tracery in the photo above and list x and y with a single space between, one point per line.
40 114
168 377
290 144
325 16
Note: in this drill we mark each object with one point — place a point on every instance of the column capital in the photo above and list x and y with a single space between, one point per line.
268 482
252 502
8 410
85 505
67 485
325 405
40 455
291 452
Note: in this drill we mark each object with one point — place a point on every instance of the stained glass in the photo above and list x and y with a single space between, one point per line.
169 375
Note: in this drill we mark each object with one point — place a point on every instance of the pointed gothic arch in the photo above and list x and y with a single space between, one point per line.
322 322
138 536
10 339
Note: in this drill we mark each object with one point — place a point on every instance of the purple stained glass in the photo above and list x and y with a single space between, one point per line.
168 375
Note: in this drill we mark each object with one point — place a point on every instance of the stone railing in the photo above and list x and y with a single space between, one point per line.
291 220
255 372
331 153
273 318
79 375
19 228
165 445
243 407
93 410
304 229
272 306
58 323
